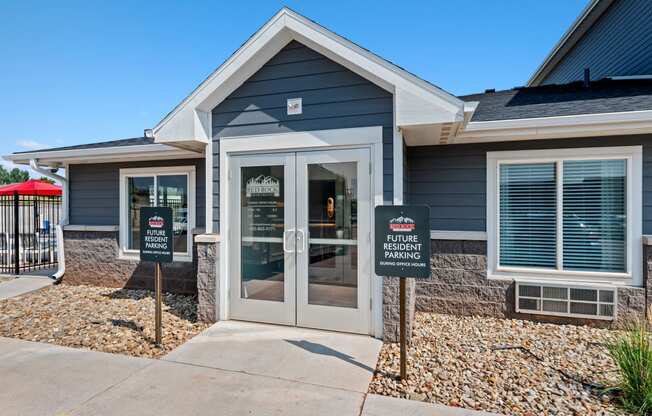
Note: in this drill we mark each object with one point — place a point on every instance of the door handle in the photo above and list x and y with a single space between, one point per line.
285 240
301 235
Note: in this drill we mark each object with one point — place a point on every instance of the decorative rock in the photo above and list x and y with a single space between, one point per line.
503 366
101 319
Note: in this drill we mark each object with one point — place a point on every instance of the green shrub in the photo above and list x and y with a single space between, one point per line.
632 352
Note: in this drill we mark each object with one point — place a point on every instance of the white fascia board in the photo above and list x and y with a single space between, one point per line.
104 154
180 123
423 102
585 125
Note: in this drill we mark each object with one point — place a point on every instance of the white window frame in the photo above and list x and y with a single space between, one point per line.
633 274
125 174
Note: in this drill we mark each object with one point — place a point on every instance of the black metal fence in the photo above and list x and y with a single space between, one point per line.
27 232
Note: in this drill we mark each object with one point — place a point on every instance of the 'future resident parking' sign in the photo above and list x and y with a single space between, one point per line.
156 234
402 241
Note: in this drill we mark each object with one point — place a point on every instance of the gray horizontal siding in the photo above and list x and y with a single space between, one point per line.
617 44
94 190
333 97
452 179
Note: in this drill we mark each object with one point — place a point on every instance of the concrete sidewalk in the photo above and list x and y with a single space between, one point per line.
267 370
324 358
22 285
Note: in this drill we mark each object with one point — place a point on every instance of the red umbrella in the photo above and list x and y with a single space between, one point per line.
31 187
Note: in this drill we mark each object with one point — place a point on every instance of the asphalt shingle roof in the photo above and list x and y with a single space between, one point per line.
604 96
112 143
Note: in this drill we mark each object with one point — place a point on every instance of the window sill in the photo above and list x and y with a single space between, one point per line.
563 279
136 257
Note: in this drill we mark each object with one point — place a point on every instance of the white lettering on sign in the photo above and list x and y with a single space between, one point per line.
155 240
402 246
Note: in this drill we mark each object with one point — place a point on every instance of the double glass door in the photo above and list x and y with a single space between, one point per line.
300 248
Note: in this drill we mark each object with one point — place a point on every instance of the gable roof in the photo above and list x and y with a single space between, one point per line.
580 26
416 101
604 96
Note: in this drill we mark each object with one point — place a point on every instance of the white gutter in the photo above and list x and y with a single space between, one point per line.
61 258
104 154
584 125
33 164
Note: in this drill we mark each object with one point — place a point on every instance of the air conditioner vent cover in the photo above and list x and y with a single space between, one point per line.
565 300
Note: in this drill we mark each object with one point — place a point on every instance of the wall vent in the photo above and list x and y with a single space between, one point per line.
564 300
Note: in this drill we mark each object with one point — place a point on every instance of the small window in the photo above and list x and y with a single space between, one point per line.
565 212
164 187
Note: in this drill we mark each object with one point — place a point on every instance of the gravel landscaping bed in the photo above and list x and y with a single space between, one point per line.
101 319
504 366
6 278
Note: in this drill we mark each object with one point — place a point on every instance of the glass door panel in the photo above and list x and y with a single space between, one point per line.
333 271
333 231
261 228
262 217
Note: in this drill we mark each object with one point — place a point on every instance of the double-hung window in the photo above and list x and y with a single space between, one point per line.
567 213
164 187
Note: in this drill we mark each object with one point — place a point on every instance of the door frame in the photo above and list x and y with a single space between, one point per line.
360 137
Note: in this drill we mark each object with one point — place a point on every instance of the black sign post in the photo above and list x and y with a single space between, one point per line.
402 250
156 244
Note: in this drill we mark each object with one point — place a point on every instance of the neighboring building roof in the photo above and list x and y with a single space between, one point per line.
135 141
604 96
582 24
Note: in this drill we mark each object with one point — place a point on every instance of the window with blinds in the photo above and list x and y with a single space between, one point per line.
594 215
590 198
528 215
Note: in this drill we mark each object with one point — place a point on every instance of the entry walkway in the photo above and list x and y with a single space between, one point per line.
329 359
272 371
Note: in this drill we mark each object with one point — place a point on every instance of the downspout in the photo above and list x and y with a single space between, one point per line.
61 269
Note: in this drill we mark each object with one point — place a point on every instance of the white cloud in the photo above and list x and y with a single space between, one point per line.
30 144
7 164
10 165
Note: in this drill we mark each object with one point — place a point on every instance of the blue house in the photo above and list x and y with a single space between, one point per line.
540 196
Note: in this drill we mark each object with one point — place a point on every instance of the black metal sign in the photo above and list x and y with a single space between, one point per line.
402 241
156 242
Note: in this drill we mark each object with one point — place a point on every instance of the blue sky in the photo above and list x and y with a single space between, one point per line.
81 71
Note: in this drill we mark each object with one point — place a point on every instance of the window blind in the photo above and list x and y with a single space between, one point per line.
594 206
528 220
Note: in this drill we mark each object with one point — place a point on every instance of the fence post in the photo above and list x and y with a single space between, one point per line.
16 235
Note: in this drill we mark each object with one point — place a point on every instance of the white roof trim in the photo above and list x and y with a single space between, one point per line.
417 101
583 125
104 154
580 26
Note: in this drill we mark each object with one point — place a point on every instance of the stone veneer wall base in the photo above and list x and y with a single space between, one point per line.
391 308
207 281
92 259
459 286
